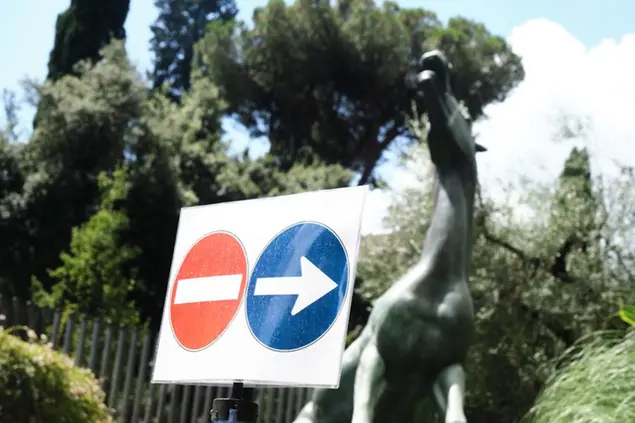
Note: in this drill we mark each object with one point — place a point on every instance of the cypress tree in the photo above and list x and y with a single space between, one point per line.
82 30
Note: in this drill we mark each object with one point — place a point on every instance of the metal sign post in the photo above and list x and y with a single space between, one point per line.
238 408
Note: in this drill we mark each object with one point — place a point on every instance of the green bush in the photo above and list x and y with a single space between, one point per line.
39 385
597 384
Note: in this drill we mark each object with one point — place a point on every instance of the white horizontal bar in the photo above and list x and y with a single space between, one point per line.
209 288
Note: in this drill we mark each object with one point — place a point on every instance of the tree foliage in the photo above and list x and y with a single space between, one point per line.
100 120
179 26
82 30
81 133
330 80
93 278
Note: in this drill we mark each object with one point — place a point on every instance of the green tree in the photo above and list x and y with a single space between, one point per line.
93 278
83 131
105 118
575 254
553 284
179 26
330 80
11 175
83 30
13 234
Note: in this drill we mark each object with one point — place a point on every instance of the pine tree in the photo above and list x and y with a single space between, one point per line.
180 25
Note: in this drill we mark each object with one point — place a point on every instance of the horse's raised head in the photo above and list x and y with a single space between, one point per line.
450 134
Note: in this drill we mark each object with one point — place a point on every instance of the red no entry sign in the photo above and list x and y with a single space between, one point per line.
208 289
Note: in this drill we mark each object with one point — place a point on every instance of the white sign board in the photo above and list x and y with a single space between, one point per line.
260 291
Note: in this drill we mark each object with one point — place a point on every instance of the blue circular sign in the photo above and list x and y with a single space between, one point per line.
297 287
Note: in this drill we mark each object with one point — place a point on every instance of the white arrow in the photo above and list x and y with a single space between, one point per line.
310 286
210 288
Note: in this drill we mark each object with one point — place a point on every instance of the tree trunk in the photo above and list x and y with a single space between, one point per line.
373 156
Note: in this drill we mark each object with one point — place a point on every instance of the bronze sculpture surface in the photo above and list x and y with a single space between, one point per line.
419 331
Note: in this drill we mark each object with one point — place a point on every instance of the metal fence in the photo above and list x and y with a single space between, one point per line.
121 358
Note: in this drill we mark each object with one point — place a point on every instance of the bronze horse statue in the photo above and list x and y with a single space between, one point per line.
417 336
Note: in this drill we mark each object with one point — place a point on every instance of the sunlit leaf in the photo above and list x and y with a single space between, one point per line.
627 313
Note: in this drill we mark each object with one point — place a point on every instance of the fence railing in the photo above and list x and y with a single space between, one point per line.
121 358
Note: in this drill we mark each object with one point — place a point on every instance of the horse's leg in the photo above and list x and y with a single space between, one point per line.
449 393
336 405
306 414
370 385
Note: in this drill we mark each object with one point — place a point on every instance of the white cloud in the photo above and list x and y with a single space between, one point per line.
564 81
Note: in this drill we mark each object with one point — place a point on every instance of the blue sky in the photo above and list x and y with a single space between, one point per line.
580 39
